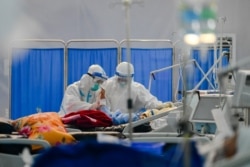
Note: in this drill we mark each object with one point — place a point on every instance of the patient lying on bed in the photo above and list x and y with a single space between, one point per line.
43 126
119 117
150 112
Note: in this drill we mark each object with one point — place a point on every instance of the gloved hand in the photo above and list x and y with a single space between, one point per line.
115 116
121 118
95 106
102 94
101 98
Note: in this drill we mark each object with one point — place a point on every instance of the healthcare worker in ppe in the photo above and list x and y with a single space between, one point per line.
116 92
84 94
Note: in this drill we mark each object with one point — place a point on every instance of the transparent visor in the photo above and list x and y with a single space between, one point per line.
98 78
124 76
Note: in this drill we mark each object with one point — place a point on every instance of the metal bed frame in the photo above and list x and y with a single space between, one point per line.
13 160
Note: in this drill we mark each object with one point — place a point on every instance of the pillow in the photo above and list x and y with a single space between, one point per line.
6 126
46 126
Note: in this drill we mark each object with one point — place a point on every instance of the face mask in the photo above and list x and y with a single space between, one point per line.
122 83
95 87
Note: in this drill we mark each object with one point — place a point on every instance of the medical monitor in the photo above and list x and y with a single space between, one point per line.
242 90
202 113
192 99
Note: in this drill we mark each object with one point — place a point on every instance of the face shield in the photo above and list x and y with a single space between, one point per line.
123 80
98 79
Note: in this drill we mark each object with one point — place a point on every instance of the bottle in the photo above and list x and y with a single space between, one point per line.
230 83
241 122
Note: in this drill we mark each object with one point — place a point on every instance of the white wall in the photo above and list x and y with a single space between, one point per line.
102 19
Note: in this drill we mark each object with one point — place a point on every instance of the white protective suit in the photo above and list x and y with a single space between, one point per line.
117 95
81 94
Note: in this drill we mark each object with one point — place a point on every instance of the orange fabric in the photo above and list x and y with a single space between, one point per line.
46 126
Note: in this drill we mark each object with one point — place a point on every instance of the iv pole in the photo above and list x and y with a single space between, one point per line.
127 4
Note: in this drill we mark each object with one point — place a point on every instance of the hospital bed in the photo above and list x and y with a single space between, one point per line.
11 150
164 133
177 107
141 125
122 132
151 136
141 128
144 125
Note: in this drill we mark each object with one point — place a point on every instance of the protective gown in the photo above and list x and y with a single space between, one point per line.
79 96
117 95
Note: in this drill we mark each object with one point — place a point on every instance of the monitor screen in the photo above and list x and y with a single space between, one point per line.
202 113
